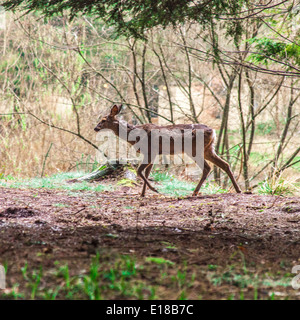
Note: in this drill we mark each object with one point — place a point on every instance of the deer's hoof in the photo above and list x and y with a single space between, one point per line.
153 189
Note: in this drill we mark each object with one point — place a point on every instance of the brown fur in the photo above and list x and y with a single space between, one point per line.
110 122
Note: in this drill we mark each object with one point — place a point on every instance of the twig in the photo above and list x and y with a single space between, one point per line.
80 210
46 156
137 225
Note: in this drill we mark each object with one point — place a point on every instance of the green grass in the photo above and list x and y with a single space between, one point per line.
239 275
113 276
276 186
257 158
110 275
245 280
296 165
56 181
176 187
266 128
165 183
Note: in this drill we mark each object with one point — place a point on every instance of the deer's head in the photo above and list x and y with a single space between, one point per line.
109 121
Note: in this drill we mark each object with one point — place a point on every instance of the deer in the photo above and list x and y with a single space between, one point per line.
112 123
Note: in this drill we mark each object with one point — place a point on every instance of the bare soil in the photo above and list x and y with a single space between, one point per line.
41 226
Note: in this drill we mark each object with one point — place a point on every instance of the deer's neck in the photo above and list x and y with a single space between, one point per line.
122 129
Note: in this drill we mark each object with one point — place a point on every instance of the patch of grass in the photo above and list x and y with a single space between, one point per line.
173 186
117 276
276 186
57 181
111 276
159 260
257 158
297 164
239 276
126 183
161 176
266 128
212 267
61 205
243 280
8 177
176 187
102 281
168 184
169 245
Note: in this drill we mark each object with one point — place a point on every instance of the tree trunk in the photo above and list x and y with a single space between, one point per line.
119 169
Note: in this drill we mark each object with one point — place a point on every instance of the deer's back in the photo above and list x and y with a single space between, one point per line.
180 129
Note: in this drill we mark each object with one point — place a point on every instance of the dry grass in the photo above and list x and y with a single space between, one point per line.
61 89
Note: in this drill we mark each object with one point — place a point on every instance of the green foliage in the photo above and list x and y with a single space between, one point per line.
159 260
133 18
268 50
102 280
173 186
258 157
297 163
87 164
33 279
266 128
8 177
109 275
244 280
275 186
127 182
57 181
170 185
212 267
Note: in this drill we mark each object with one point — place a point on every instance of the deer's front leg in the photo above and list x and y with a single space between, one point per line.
147 172
148 167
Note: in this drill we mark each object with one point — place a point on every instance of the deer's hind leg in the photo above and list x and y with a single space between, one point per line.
147 172
205 172
215 159
140 170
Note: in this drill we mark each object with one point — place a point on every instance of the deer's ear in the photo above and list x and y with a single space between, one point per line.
115 110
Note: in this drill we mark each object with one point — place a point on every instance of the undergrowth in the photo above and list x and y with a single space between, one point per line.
165 183
121 276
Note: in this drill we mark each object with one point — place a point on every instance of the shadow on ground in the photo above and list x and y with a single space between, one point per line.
42 226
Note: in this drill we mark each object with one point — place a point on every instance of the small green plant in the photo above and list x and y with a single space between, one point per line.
61 205
276 186
212 267
266 128
14 293
91 281
182 279
64 271
159 260
33 279
183 295
169 245
127 183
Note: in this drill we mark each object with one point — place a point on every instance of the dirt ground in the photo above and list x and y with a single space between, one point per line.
206 230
